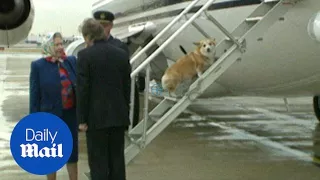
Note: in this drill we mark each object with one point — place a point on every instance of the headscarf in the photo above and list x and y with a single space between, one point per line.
49 52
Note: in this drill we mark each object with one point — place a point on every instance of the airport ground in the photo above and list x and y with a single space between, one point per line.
245 138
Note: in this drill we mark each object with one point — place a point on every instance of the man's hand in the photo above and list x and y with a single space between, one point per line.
83 127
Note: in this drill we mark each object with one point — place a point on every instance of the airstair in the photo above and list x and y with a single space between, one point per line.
229 50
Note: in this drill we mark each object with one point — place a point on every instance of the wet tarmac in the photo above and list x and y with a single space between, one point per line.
227 139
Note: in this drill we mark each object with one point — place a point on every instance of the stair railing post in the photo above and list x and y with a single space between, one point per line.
132 104
146 106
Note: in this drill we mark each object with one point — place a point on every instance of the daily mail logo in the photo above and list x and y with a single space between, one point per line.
41 143
32 150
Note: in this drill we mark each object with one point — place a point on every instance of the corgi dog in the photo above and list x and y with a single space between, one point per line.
190 66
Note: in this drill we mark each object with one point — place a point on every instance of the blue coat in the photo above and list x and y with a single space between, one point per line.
45 85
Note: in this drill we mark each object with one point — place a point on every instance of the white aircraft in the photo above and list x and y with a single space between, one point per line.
284 62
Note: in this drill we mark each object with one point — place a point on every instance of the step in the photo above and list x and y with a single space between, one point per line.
269 1
254 19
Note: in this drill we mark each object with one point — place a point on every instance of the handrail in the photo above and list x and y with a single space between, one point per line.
173 22
155 53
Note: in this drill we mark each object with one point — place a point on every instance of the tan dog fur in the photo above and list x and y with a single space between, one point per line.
190 65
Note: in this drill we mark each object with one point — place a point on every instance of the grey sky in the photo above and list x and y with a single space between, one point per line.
64 15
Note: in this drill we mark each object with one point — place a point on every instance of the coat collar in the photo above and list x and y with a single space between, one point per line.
110 38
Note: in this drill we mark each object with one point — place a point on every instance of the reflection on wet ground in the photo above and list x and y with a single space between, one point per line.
229 138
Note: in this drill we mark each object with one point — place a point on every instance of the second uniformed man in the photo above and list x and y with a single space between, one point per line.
106 19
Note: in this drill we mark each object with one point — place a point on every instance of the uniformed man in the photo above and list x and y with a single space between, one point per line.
103 108
106 20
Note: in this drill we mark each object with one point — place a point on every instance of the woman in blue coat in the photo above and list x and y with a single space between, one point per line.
52 90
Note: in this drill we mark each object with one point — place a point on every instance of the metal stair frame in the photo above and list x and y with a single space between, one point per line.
245 31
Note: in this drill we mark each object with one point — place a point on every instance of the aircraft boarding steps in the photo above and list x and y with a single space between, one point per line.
228 50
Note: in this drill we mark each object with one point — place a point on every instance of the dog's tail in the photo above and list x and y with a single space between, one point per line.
183 50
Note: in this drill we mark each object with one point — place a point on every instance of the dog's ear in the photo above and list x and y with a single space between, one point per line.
213 40
196 43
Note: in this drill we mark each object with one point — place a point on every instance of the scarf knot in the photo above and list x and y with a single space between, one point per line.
56 59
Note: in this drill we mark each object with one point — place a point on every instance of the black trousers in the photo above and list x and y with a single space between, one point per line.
106 153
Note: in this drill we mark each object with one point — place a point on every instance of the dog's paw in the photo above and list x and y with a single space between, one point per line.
172 95
198 83
199 74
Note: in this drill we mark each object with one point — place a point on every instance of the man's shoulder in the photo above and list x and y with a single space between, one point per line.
119 44
111 47
116 41
84 51
115 50
107 47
